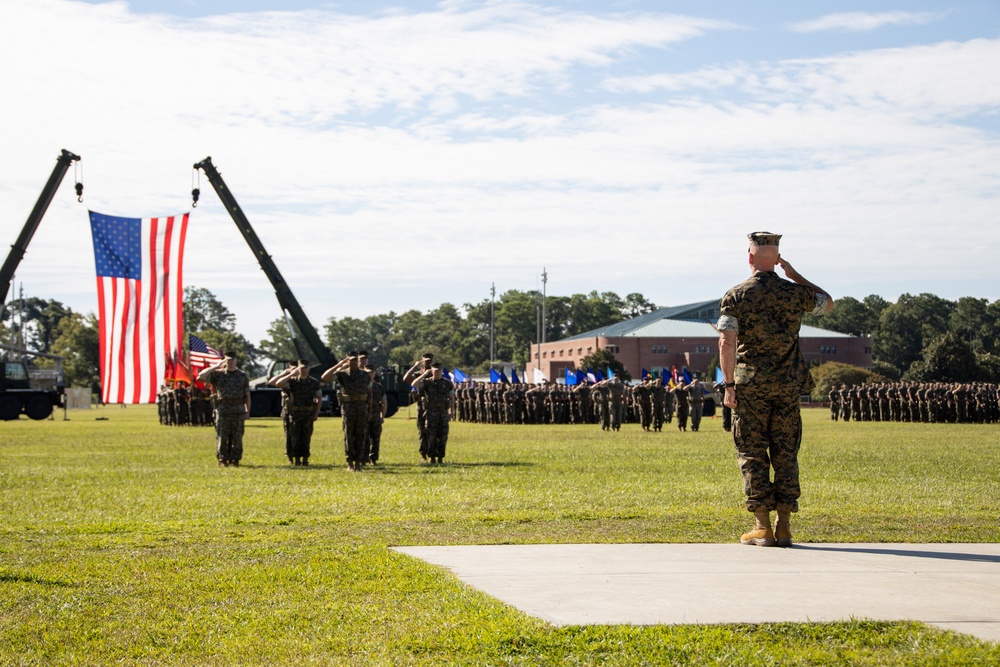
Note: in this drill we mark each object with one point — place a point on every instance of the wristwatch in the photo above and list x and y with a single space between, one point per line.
729 384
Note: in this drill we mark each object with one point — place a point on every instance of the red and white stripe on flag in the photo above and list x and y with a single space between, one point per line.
202 354
140 294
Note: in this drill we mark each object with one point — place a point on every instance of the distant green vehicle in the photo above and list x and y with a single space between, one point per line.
16 394
18 397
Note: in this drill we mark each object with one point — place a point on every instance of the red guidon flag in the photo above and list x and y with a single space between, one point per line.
140 295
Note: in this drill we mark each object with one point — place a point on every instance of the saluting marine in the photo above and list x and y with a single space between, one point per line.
355 404
232 407
764 375
439 393
305 397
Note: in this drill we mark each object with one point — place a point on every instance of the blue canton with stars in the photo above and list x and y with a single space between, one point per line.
117 246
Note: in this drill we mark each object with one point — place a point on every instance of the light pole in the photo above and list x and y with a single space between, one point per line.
538 329
545 280
493 293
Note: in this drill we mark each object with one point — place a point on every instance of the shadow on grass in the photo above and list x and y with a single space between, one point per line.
902 551
388 468
31 579
424 467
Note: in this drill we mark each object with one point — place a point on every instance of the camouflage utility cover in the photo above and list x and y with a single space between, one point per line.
766 313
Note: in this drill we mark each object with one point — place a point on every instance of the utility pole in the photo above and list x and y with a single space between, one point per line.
538 327
545 280
493 294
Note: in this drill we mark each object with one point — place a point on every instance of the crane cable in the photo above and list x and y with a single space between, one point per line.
78 177
195 187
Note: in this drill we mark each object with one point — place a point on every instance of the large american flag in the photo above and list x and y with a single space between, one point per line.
140 295
202 354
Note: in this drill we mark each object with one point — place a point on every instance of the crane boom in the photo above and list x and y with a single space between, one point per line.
20 247
286 299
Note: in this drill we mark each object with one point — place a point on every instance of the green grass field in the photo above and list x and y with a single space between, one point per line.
123 543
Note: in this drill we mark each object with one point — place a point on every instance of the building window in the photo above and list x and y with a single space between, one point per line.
544 355
828 349
560 353
613 349
659 349
868 350
702 349
589 350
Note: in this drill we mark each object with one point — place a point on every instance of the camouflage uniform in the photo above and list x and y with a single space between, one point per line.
616 391
437 393
302 397
766 312
375 421
161 404
659 393
668 405
644 396
536 404
230 412
680 396
602 402
586 404
355 400
696 403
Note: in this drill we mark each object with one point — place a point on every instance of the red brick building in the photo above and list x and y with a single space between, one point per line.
678 337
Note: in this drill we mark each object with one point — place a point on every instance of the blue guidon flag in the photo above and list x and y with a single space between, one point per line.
140 295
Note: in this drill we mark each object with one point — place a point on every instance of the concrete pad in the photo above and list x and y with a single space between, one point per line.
952 586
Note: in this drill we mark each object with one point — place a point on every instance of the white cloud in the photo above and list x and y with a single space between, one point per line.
365 148
952 79
864 21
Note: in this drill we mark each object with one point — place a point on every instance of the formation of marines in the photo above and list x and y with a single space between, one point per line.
925 402
609 403
180 405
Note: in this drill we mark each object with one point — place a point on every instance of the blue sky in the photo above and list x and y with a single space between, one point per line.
400 155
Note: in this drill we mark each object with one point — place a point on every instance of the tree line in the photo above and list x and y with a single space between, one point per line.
923 337
920 338
460 336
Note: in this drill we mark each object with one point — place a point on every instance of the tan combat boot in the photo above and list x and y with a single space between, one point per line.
761 534
783 529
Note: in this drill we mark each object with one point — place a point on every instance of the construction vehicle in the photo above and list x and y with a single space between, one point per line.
266 400
16 394
18 397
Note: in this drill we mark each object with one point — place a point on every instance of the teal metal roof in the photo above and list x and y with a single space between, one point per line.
694 320
703 311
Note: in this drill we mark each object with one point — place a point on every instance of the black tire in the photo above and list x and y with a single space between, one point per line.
10 408
275 404
391 405
38 407
260 404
